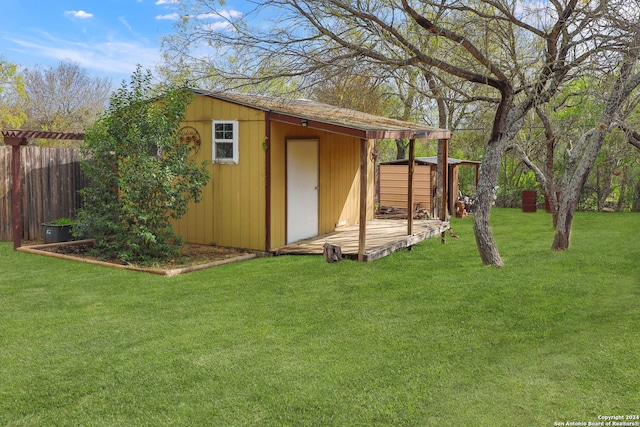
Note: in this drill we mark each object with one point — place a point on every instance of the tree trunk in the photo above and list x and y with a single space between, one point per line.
508 120
636 199
441 169
564 219
401 146
580 165
604 180
549 175
623 190
485 197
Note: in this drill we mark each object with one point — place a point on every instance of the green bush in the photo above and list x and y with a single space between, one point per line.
62 221
138 174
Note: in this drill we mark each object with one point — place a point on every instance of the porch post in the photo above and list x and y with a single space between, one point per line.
445 185
412 157
362 237
267 182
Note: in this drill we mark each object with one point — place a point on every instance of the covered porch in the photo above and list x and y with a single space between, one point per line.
372 239
383 237
336 187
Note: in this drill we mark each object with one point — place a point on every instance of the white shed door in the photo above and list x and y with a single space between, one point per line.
302 189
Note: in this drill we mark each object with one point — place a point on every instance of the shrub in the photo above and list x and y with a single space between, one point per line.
139 176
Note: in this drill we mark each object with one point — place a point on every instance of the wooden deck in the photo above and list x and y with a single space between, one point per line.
383 238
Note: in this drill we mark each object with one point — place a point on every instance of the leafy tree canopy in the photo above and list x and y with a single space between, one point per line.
12 96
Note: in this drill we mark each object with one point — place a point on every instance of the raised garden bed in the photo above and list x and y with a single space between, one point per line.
191 257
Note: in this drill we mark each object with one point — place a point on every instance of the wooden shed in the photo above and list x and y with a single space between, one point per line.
282 170
393 189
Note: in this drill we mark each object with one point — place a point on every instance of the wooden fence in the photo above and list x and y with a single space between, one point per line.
51 178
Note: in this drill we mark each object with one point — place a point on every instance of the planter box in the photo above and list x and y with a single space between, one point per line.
54 233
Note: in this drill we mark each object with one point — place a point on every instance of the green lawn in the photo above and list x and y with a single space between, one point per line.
427 337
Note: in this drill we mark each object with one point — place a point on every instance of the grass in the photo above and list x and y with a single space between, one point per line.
427 337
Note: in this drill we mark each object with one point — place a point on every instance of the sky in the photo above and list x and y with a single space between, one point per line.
108 38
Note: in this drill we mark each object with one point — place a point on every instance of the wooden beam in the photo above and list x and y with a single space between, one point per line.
24 135
412 160
358 130
42 250
407 242
267 182
16 196
362 234
445 185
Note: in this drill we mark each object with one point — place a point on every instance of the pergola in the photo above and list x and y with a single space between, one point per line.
16 139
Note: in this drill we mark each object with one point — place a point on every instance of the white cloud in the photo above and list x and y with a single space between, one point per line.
125 23
222 16
221 20
81 14
113 57
218 26
167 1
225 14
170 17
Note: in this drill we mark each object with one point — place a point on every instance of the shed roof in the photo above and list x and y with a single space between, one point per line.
317 115
433 160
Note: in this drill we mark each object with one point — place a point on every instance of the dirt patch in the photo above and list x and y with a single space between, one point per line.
190 257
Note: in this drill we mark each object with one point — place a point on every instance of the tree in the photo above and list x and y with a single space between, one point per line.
139 175
520 54
12 96
64 98
354 88
589 146
616 76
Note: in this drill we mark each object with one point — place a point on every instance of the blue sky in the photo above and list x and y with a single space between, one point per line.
106 37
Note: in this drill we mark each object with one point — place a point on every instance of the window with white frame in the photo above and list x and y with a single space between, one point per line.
225 141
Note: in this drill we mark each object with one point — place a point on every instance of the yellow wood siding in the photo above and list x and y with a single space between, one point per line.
232 209
394 181
339 180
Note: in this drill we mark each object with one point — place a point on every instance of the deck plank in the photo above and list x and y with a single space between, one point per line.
383 238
